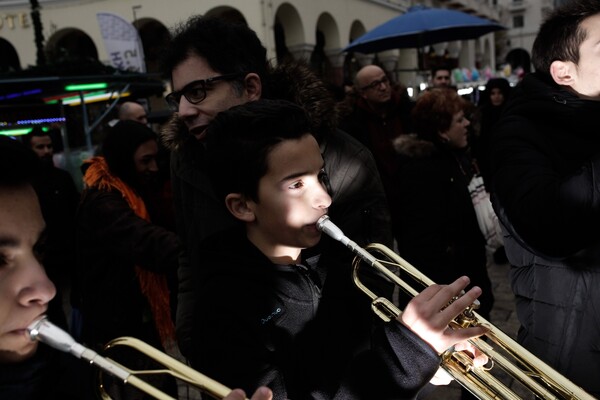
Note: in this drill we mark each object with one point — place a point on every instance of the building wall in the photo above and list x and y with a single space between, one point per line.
339 20
523 18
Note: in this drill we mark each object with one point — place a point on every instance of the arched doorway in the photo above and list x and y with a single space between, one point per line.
519 58
325 55
71 45
154 36
227 13
9 62
351 61
289 34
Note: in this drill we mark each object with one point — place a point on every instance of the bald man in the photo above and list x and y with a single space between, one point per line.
380 115
374 87
131 110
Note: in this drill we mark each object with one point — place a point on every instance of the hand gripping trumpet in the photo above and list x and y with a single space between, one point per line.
523 367
53 336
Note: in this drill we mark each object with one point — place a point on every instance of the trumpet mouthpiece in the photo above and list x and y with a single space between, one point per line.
50 334
325 225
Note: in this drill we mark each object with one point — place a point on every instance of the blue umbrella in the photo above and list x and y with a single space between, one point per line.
421 26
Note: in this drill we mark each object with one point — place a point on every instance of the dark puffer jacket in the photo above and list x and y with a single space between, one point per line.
359 203
546 164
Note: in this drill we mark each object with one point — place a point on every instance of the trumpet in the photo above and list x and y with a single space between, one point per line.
48 333
536 377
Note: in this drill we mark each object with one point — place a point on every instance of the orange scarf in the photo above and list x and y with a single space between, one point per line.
153 285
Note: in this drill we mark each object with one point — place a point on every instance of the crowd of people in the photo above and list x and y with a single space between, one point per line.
219 261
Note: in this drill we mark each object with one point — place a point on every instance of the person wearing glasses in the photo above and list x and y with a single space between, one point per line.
381 114
206 81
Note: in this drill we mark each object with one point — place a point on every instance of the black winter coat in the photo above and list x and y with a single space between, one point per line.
111 241
439 233
546 168
359 205
258 323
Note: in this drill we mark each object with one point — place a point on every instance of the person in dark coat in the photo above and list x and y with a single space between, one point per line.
194 55
28 371
439 230
380 115
269 171
59 199
492 103
123 258
545 163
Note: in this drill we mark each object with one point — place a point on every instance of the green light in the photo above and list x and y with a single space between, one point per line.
45 129
86 86
16 132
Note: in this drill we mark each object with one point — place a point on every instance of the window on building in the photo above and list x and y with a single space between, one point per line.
518 21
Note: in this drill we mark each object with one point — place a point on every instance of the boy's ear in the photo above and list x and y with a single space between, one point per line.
253 86
563 72
239 208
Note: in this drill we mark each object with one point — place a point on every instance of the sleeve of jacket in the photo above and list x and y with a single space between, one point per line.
149 246
399 366
556 214
227 341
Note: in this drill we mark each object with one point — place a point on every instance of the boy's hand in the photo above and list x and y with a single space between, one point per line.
262 393
425 317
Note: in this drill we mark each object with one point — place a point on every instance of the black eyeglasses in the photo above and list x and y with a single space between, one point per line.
195 92
376 84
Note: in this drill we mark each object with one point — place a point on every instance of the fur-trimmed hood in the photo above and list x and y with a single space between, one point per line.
173 132
292 81
412 146
296 82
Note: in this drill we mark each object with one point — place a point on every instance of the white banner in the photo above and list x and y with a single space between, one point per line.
122 42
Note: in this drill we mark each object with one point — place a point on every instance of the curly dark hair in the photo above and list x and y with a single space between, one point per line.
228 47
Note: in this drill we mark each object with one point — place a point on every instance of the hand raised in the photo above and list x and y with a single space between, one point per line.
429 314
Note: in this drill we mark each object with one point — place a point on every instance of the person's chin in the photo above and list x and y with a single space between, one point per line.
312 237
16 348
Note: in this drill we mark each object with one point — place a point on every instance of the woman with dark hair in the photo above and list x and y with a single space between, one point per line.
495 96
123 258
439 233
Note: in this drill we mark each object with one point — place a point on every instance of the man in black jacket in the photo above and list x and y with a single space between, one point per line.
208 80
59 199
270 317
545 163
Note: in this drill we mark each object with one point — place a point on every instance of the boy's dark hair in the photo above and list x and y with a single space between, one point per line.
119 146
239 140
19 164
228 47
561 35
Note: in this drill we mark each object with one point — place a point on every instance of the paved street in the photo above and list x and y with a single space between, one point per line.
503 316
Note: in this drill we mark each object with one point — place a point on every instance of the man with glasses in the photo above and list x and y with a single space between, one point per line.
381 114
214 65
